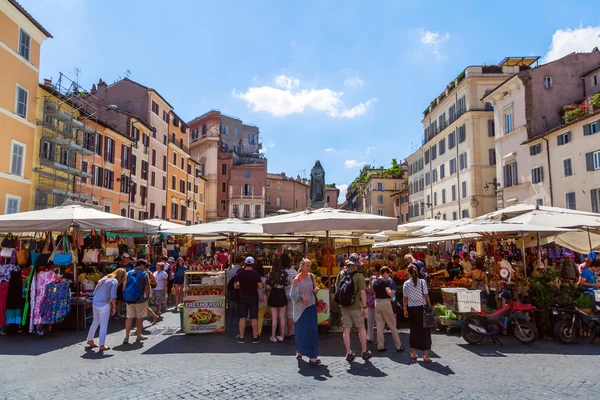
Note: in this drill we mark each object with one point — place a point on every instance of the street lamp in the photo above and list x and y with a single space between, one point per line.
493 183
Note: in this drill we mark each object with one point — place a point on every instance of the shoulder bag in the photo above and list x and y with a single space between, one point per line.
428 318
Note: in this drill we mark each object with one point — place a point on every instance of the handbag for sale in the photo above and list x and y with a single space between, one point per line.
91 256
63 255
428 317
22 257
112 251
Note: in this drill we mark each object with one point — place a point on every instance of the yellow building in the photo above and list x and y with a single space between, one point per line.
21 37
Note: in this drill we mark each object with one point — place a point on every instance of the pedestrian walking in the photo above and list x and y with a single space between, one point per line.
103 304
303 294
159 293
248 281
136 295
169 269
352 297
286 262
415 297
276 282
233 299
178 279
384 312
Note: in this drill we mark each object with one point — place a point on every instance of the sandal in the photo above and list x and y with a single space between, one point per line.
314 363
400 350
104 348
427 359
298 356
366 355
413 357
91 346
350 357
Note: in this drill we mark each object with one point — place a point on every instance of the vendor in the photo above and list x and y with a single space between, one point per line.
454 268
126 262
466 264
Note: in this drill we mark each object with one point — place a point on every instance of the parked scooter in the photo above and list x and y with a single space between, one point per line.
571 320
511 318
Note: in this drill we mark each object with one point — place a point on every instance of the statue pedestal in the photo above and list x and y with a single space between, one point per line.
317 204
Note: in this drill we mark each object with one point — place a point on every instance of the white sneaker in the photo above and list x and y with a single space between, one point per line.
280 338
272 339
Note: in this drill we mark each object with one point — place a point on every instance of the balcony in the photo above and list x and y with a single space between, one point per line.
181 146
249 159
246 197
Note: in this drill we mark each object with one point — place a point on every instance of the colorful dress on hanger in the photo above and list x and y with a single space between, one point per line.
15 301
37 293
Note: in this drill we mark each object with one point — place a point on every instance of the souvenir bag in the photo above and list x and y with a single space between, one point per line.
91 256
63 255
8 245
428 317
111 248
22 254
56 303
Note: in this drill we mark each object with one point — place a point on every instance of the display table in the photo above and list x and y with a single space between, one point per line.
204 302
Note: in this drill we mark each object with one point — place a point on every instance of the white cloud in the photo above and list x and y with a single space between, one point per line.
343 190
329 150
288 100
369 150
286 82
432 41
354 163
569 40
354 82
271 143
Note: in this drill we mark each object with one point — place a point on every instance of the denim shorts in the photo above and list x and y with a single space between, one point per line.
248 305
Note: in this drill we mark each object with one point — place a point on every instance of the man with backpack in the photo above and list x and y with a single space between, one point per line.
136 296
351 295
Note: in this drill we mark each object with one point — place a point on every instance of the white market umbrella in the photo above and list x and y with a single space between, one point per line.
518 209
411 227
431 229
423 240
282 211
60 219
230 229
162 225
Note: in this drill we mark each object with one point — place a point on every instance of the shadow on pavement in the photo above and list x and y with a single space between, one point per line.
366 369
320 373
437 367
512 346
96 355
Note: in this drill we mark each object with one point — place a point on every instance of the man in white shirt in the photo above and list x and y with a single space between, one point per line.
466 263
505 264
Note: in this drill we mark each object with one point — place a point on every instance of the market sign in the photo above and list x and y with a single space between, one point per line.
205 315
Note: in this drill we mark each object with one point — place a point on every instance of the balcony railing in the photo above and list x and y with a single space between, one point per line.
178 144
246 197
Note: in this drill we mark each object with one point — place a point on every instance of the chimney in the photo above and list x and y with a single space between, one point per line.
94 90
283 174
47 82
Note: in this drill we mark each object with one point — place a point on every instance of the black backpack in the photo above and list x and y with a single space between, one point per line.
234 294
345 293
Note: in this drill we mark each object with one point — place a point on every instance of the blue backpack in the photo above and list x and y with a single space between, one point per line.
133 290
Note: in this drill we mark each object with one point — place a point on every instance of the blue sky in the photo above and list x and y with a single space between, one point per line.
341 81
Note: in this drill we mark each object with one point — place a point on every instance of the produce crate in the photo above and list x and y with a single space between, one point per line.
462 300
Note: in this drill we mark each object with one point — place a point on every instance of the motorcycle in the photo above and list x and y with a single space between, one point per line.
571 321
510 317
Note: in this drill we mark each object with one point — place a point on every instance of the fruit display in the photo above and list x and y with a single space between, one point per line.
203 316
320 283
443 312
205 291
459 283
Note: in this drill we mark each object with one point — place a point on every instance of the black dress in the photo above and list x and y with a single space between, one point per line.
278 298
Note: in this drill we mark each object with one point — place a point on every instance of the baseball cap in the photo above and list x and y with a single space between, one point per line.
354 259
125 255
249 260
171 259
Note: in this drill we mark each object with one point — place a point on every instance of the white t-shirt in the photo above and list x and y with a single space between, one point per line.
467 266
505 264
160 277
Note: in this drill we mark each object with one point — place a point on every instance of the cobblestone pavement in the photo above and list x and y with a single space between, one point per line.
175 366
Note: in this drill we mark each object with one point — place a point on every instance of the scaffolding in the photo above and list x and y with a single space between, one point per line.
68 145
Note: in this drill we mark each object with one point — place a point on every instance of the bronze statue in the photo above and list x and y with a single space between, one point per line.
317 183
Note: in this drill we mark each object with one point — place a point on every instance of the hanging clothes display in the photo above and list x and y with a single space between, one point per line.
56 303
15 300
37 293
5 274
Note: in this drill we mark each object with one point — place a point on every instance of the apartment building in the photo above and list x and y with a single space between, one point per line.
21 38
401 202
355 200
416 186
227 151
458 146
378 194
196 194
286 193
547 148
180 174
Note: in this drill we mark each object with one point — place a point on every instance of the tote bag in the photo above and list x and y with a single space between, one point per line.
428 318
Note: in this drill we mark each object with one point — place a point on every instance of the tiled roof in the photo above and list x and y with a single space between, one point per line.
30 17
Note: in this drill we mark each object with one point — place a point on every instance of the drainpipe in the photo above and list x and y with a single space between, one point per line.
431 181
549 171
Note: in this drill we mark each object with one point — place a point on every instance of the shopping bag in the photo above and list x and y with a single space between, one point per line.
112 251
6 252
91 256
34 257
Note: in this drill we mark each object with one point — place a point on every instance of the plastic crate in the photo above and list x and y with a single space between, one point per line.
462 300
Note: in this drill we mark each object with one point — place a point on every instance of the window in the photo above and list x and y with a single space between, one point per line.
21 108
465 213
125 151
174 210
537 175
278 184
12 204
444 216
380 186
380 199
443 196
247 173
223 169
435 198
592 160
464 189
175 158
491 129
451 114
195 134
427 179
462 161
461 106
182 162
433 152
535 149
434 176
563 138
176 121
442 146
452 164
202 169
539 202
257 209
173 182
96 175
548 82
163 212
442 171
594 80
571 201
278 202
223 187
154 157
143 194
204 130
252 139
155 108
492 156
144 170
590 129
24 44
181 186
381 212
508 123
510 175
164 162
426 156
453 192
224 129
451 140
454 215
109 150
247 190
165 139
166 116
595 194
109 177
164 183
17 158
84 168
268 200
235 132
567 167
223 205
461 131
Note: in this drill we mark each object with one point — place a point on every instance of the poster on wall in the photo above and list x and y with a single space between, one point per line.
206 314
323 307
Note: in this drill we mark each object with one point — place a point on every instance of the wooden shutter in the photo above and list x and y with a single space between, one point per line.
587 130
491 132
589 161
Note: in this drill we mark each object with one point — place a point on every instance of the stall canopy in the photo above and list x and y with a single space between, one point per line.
227 228
423 240
326 220
492 227
162 225
59 219
411 227
428 230
518 209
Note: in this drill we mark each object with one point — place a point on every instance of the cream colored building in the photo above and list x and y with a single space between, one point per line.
378 195
458 148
